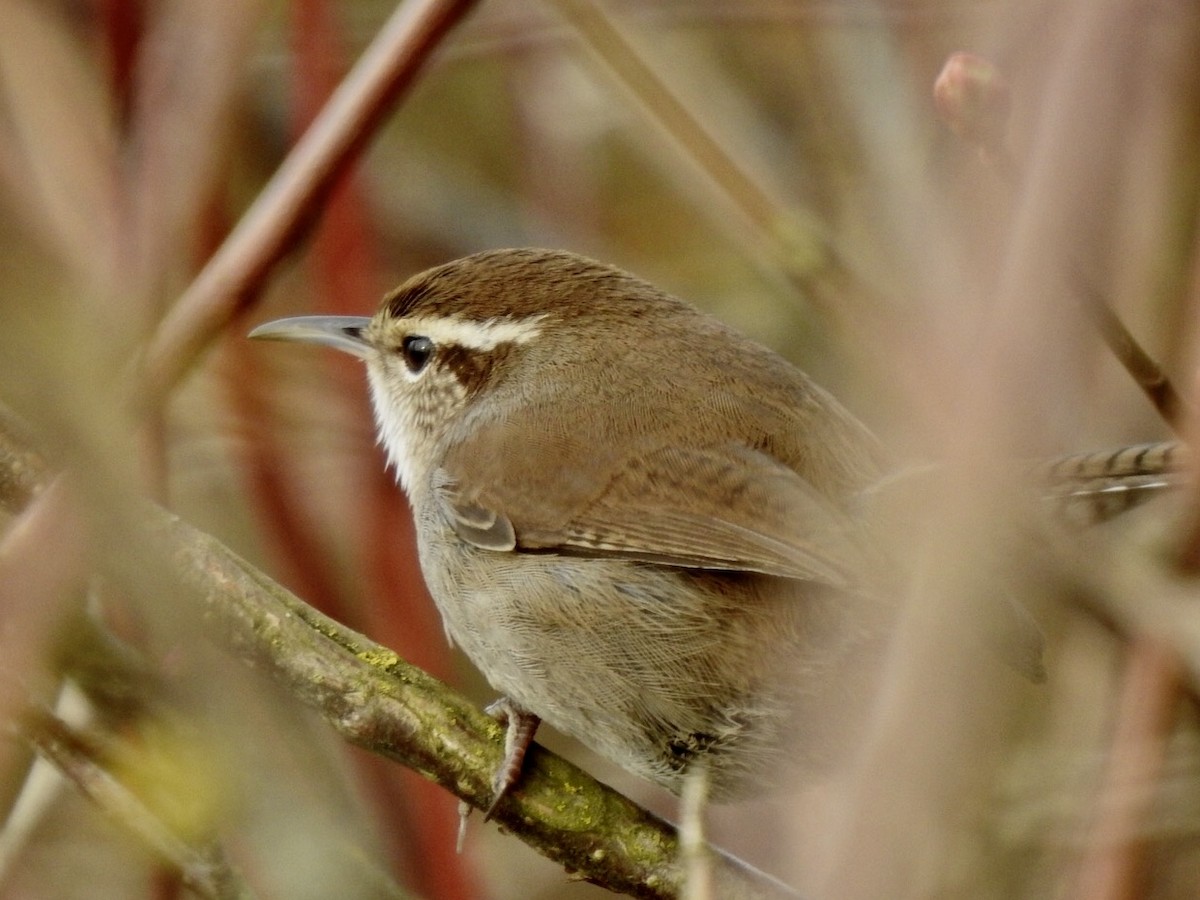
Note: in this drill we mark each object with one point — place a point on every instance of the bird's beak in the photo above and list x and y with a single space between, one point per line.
343 333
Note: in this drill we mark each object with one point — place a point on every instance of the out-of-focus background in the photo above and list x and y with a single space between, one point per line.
786 169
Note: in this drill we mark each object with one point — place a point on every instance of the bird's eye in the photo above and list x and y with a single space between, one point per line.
416 350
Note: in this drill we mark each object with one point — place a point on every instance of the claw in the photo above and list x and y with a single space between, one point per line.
520 727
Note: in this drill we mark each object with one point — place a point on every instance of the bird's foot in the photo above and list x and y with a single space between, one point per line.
520 727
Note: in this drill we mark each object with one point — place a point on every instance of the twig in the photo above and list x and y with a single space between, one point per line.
1141 366
801 246
291 198
973 98
202 868
626 63
33 601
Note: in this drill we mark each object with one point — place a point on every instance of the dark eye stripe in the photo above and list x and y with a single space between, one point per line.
417 350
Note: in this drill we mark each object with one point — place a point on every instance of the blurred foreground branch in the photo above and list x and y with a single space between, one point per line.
287 204
973 98
377 701
205 869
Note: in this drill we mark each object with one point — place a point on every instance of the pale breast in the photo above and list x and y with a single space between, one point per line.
649 665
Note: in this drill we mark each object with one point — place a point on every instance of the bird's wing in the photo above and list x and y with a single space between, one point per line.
724 507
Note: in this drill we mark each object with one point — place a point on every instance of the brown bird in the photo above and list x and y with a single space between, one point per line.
639 524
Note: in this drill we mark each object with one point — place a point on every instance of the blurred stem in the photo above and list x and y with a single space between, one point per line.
204 869
123 21
797 241
1188 551
234 275
1113 867
973 99
626 63
35 600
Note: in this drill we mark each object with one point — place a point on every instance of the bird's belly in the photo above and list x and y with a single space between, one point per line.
651 666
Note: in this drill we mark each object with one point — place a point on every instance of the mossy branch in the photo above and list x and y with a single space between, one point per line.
377 701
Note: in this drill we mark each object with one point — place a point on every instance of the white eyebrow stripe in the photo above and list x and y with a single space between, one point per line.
486 335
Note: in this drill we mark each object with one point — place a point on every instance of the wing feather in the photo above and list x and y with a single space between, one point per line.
724 507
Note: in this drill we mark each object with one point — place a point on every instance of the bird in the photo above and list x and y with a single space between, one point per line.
641 526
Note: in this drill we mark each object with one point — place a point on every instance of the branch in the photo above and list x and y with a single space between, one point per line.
295 193
1140 365
377 701
203 868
